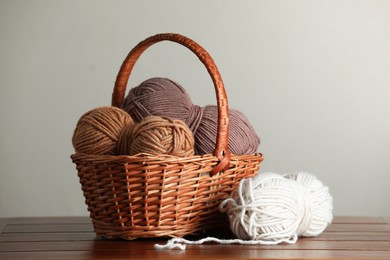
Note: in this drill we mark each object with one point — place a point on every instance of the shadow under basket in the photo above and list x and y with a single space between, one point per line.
146 196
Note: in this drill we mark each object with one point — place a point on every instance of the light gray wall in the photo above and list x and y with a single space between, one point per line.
312 76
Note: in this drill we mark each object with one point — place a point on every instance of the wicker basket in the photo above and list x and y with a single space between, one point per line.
145 196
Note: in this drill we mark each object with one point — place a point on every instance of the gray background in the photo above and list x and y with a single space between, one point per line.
312 77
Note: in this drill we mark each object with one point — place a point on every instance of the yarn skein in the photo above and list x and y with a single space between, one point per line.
273 208
319 200
157 135
242 136
164 97
98 130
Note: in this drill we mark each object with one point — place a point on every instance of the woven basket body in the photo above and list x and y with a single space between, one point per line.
146 196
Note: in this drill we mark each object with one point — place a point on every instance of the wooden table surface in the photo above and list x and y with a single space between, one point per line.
73 238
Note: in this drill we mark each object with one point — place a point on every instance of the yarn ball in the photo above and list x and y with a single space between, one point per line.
242 136
274 209
157 135
319 200
161 97
98 130
164 97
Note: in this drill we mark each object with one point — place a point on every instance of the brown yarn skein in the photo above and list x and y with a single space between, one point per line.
97 131
157 135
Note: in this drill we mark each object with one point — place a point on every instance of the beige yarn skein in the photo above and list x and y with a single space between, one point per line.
97 131
157 135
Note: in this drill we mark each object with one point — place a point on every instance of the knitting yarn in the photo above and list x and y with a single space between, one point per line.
157 135
275 209
319 201
97 131
163 97
242 136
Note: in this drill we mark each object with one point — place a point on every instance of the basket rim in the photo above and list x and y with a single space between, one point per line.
160 158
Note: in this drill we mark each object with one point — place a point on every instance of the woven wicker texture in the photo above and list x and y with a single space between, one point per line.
145 195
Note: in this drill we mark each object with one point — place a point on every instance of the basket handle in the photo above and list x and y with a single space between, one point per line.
221 150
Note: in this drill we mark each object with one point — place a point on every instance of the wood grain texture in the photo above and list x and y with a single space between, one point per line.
73 238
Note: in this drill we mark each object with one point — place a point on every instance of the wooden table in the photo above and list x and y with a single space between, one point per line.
73 238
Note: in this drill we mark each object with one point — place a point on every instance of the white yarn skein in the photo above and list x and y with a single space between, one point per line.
320 202
270 207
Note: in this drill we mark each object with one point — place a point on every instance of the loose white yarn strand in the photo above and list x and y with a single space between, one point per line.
180 243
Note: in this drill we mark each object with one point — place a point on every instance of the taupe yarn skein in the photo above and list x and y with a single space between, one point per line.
242 137
162 97
157 135
97 131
